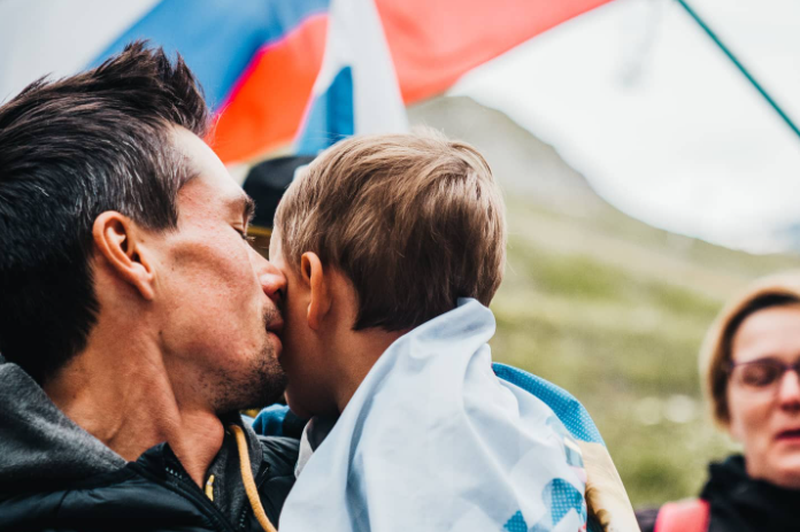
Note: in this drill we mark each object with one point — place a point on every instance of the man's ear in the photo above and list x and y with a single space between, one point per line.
313 276
119 240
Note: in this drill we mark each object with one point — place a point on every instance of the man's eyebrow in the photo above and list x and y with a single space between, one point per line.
248 209
243 204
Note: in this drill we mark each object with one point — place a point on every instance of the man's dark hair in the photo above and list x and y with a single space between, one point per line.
71 149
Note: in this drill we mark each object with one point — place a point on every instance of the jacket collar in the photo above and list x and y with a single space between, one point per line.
39 441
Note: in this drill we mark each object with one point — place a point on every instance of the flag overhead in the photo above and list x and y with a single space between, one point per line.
434 42
259 60
356 90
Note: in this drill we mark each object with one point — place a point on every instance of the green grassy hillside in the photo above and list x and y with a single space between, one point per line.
607 307
617 318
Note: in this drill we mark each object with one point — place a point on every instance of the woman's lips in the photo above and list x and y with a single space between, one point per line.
789 435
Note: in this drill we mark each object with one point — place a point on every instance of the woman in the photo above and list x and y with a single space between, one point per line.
750 365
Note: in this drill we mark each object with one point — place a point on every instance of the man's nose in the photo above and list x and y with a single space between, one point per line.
789 390
273 282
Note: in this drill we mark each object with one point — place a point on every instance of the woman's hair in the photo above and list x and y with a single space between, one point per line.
715 355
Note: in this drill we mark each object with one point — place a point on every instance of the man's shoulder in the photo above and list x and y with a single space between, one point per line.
280 452
279 455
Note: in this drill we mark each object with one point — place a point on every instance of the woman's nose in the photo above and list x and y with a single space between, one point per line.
789 390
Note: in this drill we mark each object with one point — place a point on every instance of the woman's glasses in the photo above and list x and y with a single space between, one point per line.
760 374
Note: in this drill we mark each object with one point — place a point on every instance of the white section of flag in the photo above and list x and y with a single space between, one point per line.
39 37
356 39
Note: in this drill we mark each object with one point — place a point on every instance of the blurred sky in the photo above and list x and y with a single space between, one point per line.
60 48
636 97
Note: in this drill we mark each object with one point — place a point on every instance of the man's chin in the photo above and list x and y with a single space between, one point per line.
261 385
269 391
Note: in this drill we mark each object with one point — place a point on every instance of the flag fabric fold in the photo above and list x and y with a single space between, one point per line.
433 440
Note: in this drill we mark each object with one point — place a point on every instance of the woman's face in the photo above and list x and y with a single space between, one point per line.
763 401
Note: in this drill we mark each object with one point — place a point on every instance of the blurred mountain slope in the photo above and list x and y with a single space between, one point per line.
604 305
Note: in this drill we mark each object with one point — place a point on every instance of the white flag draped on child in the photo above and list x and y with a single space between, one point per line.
433 440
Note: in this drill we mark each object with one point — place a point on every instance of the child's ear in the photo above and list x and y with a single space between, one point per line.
314 276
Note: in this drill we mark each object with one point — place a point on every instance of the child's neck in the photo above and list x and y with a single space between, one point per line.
361 350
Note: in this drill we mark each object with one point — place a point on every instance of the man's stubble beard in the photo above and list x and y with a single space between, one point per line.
259 385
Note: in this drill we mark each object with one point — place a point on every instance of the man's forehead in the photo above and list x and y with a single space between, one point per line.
208 171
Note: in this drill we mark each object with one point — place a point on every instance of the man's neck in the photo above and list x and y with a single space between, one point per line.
124 397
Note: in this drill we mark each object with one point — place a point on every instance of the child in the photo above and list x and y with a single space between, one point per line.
393 247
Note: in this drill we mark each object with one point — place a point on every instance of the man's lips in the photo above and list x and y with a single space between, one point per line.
276 327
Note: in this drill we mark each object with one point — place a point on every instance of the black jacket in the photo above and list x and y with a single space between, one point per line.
54 476
739 503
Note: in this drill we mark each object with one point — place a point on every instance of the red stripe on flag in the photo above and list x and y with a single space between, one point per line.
266 107
434 42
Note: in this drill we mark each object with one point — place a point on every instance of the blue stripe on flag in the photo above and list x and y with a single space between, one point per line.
331 116
559 498
568 409
217 38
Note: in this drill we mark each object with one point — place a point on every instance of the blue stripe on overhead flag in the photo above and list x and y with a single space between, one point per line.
217 38
331 117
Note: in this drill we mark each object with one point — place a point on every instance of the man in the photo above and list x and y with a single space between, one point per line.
135 319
